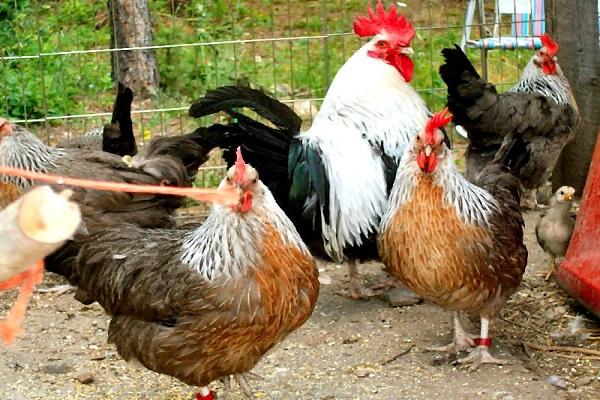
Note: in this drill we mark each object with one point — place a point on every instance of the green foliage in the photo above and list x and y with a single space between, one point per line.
55 85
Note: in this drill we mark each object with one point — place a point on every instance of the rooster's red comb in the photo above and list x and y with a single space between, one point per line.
438 120
390 23
550 45
240 167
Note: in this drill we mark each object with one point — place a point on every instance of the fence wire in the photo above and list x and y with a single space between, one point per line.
55 66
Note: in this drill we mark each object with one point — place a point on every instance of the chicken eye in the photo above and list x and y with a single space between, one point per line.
381 44
561 193
254 181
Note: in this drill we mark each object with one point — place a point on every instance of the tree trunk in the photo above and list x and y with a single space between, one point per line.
579 58
131 26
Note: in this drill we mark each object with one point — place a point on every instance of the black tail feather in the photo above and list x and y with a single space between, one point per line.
227 98
118 137
265 147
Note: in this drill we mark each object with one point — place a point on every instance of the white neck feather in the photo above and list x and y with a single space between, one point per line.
554 86
22 149
473 204
229 243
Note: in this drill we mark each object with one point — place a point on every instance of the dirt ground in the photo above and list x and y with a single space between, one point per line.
347 350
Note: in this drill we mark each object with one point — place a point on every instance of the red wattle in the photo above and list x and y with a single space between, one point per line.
246 202
425 163
404 65
549 67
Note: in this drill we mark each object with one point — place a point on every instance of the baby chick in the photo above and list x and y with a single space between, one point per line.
555 227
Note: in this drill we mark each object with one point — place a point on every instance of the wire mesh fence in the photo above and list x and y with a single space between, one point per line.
55 65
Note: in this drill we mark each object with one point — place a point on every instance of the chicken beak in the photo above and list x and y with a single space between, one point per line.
428 150
408 51
568 196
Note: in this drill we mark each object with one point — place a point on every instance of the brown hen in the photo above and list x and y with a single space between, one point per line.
455 243
204 303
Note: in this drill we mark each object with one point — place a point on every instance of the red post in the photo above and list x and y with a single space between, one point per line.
579 273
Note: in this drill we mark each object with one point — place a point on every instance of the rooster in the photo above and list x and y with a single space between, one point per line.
333 179
202 304
540 107
117 136
22 149
455 243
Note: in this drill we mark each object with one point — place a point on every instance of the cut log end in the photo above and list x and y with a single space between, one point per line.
47 217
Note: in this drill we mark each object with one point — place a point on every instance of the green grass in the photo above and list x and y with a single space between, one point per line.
81 83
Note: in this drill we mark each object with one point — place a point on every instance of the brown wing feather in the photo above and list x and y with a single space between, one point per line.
102 208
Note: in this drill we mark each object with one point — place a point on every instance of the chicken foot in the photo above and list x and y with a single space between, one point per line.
461 341
480 354
529 201
242 380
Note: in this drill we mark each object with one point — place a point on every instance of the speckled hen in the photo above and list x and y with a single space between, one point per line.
455 243
540 108
206 303
161 163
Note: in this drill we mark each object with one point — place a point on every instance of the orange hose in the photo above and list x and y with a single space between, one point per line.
10 327
206 195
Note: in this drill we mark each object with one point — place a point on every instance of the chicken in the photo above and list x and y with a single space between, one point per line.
540 107
333 179
22 149
207 303
555 226
455 243
117 136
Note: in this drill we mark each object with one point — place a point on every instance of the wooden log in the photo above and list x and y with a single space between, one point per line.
33 227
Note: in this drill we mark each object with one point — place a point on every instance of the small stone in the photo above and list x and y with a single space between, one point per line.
439 360
85 377
557 381
350 340
560 310
503 396
363 372
324 279
583 381
400 296
57 368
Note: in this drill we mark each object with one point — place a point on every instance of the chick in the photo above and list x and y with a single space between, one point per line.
555 227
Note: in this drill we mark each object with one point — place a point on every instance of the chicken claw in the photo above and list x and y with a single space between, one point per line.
242 380
481 355
461 341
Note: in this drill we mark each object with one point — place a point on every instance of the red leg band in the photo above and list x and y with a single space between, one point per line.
487 342
209 396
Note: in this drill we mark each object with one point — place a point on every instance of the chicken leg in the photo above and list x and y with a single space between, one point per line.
551 266
530 202
480 354
357 289
461 341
